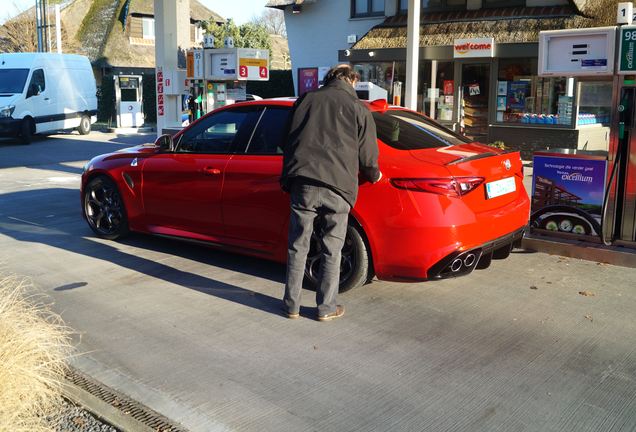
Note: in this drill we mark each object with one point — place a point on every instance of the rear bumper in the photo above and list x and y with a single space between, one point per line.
462 263
9 127
414 232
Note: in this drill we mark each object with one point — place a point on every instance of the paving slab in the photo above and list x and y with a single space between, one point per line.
535 343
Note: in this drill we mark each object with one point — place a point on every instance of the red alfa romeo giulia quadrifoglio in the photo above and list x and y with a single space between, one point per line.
444 207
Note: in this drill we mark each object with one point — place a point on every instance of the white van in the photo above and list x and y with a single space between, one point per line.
45 92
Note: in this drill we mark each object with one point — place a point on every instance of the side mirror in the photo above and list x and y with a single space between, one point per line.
165 143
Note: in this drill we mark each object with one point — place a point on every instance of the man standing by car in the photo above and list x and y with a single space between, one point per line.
331 139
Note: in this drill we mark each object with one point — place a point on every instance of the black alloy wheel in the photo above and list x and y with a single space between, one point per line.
354 264
84 127
104 209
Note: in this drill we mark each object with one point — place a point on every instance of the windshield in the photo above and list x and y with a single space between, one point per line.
12 80
405 130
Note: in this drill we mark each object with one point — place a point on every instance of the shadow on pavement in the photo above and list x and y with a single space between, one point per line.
133 140
22 217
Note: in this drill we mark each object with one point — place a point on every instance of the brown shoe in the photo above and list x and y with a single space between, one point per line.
337 314
290 315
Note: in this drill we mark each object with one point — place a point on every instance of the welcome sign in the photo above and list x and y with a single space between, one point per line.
474 48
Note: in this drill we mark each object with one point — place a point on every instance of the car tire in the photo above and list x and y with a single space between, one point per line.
84 127
27 127
104 209
355 268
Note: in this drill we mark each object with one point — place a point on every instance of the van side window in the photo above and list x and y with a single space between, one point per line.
37 84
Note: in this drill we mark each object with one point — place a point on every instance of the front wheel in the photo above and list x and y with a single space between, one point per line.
27 128
104 209
84 127
354 264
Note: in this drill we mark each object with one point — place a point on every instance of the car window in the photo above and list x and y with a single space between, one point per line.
219 133
405 130
271 131
37 84
12 80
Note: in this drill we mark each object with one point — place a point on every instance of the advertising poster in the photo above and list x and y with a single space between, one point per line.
501 103
567 194
307 80
518 91
502 88
449 87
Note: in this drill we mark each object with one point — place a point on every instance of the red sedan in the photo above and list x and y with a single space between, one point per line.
445 206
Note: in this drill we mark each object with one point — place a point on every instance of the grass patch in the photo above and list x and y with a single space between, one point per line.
34 347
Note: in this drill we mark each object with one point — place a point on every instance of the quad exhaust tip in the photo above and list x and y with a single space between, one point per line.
470 260
456 265
463 263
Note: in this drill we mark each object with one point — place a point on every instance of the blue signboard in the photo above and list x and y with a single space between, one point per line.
567 193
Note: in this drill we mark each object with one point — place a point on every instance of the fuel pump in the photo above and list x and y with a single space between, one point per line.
619 207
128 100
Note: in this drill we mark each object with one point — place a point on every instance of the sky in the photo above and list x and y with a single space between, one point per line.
240 11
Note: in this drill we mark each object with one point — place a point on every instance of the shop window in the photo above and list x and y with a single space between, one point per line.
524 97
502 3
595 98
442 95
387 75
367 8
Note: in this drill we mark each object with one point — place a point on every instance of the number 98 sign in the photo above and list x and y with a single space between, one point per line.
627 53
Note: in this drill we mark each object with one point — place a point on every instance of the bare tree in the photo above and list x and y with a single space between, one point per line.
273 20
19 34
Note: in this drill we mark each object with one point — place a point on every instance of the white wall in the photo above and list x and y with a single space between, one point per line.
317 33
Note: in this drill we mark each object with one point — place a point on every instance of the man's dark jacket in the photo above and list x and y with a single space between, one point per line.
331 138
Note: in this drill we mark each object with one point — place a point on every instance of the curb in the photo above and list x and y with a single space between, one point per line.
102 410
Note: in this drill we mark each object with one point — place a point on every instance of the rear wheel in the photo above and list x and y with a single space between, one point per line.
84 127
104 209
354 264
27 128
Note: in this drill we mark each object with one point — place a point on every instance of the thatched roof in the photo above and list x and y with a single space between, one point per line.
95 27
198 12
513 25
280 4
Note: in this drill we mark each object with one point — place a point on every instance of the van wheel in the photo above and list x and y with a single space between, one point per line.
84 127
354 267
27 127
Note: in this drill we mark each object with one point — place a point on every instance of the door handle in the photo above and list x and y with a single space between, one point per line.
46 98
211 171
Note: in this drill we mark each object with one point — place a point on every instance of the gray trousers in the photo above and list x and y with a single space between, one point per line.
309 201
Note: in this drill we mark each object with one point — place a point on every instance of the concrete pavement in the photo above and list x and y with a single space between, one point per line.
535 343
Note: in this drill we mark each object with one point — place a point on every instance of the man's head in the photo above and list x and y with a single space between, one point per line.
342 72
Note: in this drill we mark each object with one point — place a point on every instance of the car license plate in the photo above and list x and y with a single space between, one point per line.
500 187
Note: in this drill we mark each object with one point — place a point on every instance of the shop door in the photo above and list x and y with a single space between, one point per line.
474 91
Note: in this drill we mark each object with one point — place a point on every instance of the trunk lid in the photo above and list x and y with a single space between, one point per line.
501 171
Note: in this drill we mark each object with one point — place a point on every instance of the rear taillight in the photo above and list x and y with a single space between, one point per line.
454 186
